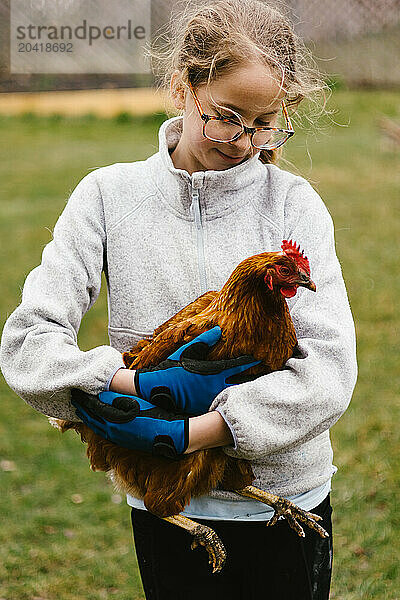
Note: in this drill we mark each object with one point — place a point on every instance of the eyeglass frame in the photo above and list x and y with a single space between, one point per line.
252 130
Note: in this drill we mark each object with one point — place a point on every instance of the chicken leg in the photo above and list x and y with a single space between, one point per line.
286 509
204 536
207 537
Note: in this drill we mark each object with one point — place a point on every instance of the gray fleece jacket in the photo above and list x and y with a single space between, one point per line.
163 238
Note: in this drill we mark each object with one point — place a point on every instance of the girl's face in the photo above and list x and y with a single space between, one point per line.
252 90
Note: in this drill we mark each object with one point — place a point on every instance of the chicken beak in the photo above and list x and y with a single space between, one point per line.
305 281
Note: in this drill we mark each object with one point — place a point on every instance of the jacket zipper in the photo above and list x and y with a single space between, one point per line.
196 212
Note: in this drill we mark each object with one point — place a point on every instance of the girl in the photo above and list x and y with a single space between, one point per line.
166 230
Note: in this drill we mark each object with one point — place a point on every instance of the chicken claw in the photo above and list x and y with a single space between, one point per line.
207 537
286 509
203 536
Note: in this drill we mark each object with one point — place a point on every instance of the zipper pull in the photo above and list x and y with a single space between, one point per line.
195 208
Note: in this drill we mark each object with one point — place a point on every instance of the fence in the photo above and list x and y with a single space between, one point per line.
357 41
354 41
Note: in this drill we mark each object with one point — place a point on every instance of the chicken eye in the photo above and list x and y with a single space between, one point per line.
284 270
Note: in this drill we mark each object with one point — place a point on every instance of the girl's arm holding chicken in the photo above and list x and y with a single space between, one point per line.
205 431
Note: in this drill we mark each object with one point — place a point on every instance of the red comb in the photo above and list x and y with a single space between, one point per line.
292 251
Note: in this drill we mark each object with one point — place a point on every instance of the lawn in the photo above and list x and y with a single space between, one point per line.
65 534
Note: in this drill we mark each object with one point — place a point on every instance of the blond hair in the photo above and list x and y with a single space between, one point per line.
205 40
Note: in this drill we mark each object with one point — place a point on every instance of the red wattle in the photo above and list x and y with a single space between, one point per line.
289 292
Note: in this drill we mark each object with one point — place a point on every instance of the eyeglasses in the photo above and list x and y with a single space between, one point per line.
228 129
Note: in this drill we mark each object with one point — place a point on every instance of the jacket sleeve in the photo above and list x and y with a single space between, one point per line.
288 407
40 357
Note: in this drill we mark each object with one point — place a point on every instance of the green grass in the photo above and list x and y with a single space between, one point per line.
52 546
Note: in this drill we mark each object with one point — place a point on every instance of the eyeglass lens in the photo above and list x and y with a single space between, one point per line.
223 131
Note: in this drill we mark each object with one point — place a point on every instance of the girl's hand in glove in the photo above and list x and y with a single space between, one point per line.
186 381
133 423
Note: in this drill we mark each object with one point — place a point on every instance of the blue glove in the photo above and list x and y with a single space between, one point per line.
133 423
186 381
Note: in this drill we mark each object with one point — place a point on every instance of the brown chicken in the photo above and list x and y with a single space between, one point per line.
253 315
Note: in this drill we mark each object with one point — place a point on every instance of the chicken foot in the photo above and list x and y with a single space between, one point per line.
286 509
204 536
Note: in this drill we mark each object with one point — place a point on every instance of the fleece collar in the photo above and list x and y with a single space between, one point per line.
219 191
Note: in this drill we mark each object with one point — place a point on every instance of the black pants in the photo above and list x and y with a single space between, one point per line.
262 562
